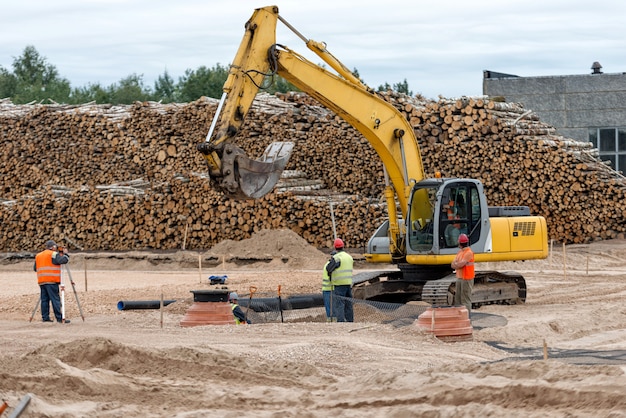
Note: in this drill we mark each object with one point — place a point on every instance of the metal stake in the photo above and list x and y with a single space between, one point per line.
36 309
69 274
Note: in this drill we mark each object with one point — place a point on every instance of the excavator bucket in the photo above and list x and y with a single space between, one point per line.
247 178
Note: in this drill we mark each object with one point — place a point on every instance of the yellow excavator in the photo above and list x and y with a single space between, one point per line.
422 240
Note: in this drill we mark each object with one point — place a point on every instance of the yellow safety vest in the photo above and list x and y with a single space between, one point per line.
233 306
327 285
343 275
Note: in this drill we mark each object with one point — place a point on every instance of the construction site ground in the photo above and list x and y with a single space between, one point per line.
561 354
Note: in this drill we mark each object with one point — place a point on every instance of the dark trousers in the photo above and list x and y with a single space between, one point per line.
50 294
342 303
463 294
328 300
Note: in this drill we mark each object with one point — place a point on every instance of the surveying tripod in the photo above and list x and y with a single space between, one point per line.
62 291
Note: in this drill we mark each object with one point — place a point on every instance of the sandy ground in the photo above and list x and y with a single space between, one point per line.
142 363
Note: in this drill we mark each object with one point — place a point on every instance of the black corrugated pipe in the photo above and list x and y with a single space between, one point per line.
306 301
125 305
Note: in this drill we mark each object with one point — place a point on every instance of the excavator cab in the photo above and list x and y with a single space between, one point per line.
454 208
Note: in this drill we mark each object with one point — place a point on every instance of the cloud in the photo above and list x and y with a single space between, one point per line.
440 48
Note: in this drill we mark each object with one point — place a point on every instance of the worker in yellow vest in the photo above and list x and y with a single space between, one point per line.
341 273
240 317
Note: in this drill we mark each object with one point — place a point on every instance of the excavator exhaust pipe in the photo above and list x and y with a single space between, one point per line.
245 178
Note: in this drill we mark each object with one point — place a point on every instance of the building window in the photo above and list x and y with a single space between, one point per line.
611 144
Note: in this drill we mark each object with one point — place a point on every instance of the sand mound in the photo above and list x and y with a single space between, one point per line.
274 247
270 243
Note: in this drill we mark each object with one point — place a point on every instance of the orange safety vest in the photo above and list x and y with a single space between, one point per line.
467 271
47 272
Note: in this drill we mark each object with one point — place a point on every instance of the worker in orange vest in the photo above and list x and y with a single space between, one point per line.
464 265
48 267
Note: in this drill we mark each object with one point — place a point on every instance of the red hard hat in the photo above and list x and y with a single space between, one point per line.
338 243
463 239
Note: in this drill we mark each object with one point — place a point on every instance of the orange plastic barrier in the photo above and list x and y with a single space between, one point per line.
452 321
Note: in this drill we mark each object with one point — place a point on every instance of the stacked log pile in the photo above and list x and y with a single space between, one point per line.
129 177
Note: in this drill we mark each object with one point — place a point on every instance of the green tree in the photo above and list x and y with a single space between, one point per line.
90 93
37 80
165 89
128 90
34 79
276 83
202 82
402 87
8 83
384 87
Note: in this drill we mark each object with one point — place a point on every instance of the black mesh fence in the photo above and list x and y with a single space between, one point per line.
267 308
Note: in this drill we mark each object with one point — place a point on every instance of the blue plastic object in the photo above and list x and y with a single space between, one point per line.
217 279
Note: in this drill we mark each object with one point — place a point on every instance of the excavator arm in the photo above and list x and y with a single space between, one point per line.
230 169
259 56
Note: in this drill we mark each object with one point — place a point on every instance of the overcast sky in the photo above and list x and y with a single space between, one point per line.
440 47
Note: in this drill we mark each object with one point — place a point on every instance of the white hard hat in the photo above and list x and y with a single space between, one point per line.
233 296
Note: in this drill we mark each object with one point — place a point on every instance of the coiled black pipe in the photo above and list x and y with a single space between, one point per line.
125 305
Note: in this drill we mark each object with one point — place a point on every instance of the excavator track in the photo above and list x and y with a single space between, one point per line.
499 288
490 287
437 292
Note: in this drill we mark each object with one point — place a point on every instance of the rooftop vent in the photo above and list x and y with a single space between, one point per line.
596 67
